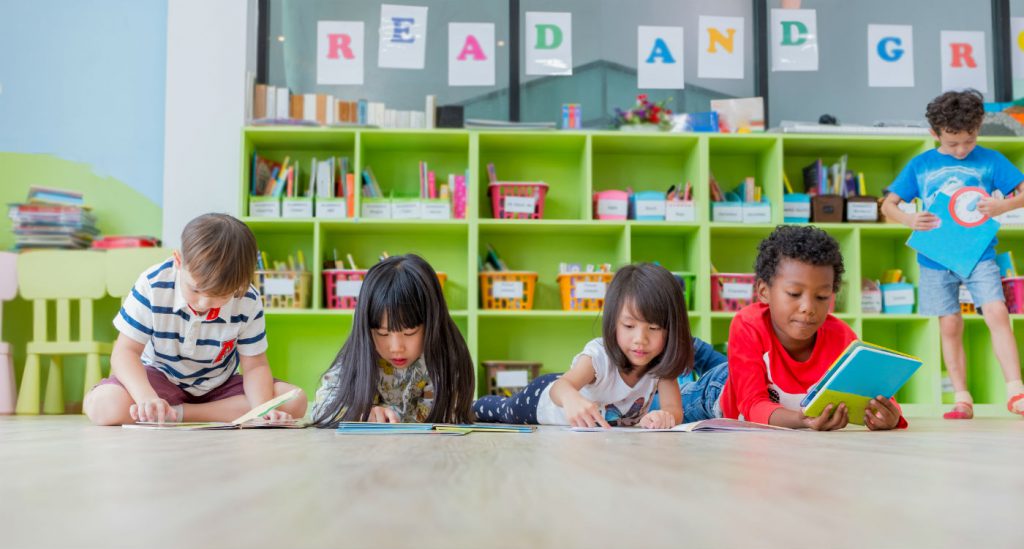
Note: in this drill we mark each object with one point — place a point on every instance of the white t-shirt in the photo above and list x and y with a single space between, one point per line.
621 404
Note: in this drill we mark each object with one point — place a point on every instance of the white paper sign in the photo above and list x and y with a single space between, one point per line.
297 209
471 54
890 56
376 210
265 208
721 47
339 53
606 206
334 209
796 210
861 211
403 37
680 210
505 289
512 378
1017 45
548 43
735 290
406 210
659 59
437 210
871 302
757 213
348 288
727 213
965 295
650 208
896 298
521 204
589 290
1012 217
794 40
964 62
279 286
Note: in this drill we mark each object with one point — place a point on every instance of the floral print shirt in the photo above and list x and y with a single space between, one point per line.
408 391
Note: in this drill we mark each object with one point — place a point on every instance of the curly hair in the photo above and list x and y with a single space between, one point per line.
956 111
805 244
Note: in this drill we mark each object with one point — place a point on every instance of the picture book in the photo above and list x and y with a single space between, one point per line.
963 233
249 420
861 373
367 428
707 425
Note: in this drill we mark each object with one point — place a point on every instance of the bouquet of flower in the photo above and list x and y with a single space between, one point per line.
645 112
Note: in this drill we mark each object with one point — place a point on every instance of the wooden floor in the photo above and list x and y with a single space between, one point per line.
65 483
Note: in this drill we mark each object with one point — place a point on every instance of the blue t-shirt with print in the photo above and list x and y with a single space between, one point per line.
931 172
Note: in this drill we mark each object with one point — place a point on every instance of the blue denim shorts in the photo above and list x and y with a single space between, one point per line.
940 289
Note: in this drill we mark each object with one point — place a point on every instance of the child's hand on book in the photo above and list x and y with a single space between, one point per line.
881 414
383 414
923 221
658 419
832 418
277 415
583 413
155 409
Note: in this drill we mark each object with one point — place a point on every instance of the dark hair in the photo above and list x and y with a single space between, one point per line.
654 294
219 252
805 244
956 111
406 288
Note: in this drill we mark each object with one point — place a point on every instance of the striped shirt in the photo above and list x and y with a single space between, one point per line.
198 353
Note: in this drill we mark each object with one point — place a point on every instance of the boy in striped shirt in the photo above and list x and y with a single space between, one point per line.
187 326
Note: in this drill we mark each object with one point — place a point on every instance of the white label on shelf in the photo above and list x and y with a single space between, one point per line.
727 213
265 209
871 302
406 210
331 210
896 298
437 210
512 378
907 207
757 213
612 207
965 295
278 286
589 290
862 211
737 290
650 208
376 210
297 208
796 210
348 288
678 210
521 204
505 289
1012 217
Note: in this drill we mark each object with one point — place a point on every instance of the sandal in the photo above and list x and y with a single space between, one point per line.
962 410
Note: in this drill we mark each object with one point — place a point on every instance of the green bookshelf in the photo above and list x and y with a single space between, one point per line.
303 342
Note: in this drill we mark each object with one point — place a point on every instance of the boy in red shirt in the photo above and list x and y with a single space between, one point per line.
783 344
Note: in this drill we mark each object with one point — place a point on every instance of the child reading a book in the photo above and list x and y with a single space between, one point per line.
186 328
646 345
783 344
955 118
405 360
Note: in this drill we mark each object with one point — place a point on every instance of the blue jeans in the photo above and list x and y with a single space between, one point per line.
700 392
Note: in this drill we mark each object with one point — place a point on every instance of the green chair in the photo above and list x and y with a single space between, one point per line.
60 277
124 265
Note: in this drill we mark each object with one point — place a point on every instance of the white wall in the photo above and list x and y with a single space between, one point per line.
208 58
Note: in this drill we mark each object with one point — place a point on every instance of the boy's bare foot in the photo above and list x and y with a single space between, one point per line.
961 410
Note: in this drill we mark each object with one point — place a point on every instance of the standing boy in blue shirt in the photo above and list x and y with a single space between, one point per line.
955 118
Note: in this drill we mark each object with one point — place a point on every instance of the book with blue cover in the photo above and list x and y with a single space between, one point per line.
963 234
861 373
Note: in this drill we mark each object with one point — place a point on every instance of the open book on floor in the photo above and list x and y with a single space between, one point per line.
253 419
861 373
707 425
366 428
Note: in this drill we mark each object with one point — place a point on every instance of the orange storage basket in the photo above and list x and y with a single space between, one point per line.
514 290
583 291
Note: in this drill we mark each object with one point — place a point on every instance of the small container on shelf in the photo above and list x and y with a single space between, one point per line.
1013 291
297 207
406 208
331 208
757 212
264 206
611 205
518 199
898 298
341 287
796 208
507 290
583 291
375 208
647 206
727 212
870 297
438 209
731 291
680 211
827 208
862 209
284 289
506 377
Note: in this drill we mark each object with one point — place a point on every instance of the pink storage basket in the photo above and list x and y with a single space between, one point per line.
341 287
611 204
518 199
1013 290
731 291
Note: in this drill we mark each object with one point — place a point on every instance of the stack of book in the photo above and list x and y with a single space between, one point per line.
278 106
52 218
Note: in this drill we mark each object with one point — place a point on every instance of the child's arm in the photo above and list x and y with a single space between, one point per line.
920 221
671 412
565 392
994 206
126 366
258 384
